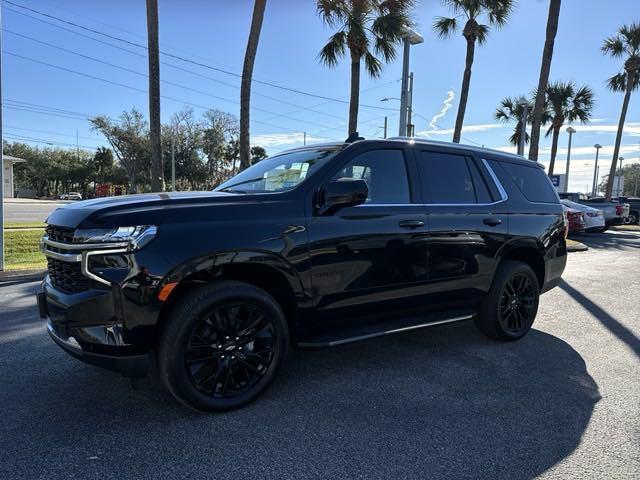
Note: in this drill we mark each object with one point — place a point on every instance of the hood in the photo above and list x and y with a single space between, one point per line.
141 209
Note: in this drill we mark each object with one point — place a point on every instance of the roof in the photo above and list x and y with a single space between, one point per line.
13 159
427 142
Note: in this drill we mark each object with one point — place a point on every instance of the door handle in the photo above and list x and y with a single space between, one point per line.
492 222
411 224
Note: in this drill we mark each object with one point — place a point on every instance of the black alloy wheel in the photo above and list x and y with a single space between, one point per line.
230 350
517 304
222 345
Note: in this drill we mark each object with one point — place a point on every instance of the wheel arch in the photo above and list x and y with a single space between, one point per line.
526 251
264 270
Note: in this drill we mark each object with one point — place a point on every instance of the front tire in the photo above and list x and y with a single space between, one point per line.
512 303
222 345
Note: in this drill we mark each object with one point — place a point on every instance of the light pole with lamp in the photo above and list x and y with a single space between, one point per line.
570 131
620 178
597 146
411 37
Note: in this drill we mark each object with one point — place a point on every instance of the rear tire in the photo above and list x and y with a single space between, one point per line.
512 303
222 345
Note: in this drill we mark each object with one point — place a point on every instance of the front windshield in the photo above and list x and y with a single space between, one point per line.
279 173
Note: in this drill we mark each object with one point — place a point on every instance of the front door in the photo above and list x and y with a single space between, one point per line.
370 258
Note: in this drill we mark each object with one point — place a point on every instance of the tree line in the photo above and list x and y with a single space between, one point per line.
205 149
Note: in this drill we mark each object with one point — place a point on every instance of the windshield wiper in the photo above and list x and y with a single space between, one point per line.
251 180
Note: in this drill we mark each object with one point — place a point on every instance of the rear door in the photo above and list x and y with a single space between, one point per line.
467 225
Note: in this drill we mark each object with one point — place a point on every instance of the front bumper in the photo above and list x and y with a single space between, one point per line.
100 344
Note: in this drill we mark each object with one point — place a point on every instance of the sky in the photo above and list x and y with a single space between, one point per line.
50 67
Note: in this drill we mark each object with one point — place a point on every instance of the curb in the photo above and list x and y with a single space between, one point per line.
580 247
22 275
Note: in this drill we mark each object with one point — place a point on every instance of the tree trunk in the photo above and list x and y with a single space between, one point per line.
245 86
157 178
464 92
355 94
554 149
616 148
547 55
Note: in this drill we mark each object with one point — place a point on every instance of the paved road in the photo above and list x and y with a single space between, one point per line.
564 402
29 211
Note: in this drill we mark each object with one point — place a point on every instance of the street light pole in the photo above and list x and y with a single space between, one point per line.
621 178
385 127
570 131
411 38
173 162
597 146
410 130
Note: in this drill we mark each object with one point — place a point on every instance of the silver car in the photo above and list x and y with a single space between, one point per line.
594 218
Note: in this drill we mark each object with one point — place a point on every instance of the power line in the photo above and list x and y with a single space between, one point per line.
49 132
184 59
47 142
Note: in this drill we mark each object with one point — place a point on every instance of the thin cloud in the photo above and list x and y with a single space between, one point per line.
465 129
278 139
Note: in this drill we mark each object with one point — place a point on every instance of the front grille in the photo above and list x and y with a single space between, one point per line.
67 276
60 234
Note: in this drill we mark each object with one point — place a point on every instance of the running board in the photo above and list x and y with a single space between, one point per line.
395 328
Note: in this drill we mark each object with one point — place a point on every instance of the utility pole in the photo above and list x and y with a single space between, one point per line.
173 161
1 158
411 37
409 108
523 128
304 139
385 126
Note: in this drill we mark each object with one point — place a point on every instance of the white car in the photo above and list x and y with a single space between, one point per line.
71 196
594 218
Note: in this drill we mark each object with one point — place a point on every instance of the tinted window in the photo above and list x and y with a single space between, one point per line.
532 182
447 178
385 174
482 190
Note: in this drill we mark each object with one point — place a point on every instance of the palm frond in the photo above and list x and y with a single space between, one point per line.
617 83
631 35
373 65
332 12
445 26
482 33
498 11
613 46
334 49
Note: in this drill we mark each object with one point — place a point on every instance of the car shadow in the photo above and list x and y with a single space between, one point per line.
608 240
613 325
436 403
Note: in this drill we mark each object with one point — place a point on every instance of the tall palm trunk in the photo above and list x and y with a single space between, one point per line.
464 91
355 94
631 77
547 55
157 180
554 149
245 86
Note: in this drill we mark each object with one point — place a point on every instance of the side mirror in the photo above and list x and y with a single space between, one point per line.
342 193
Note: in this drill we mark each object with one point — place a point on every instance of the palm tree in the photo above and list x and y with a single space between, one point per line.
547 54
512 110
247 75
157 178
567 104
625 43
497 14
368 29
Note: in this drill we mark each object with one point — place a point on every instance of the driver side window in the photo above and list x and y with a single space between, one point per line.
385 173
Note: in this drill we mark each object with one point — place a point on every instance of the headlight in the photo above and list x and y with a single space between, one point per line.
137 237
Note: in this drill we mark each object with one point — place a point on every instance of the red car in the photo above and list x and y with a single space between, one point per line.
576 220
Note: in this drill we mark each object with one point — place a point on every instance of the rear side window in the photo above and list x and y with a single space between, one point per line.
532 182
452 179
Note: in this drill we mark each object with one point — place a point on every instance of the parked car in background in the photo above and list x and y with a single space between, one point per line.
614 213
634 208
593 218
314 247
575 219
71 196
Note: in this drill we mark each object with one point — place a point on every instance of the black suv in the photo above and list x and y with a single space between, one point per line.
314 247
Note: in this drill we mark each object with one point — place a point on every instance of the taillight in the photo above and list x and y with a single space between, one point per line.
565 222
618 209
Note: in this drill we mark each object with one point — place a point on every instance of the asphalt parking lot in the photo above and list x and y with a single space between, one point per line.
564 402
26 210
